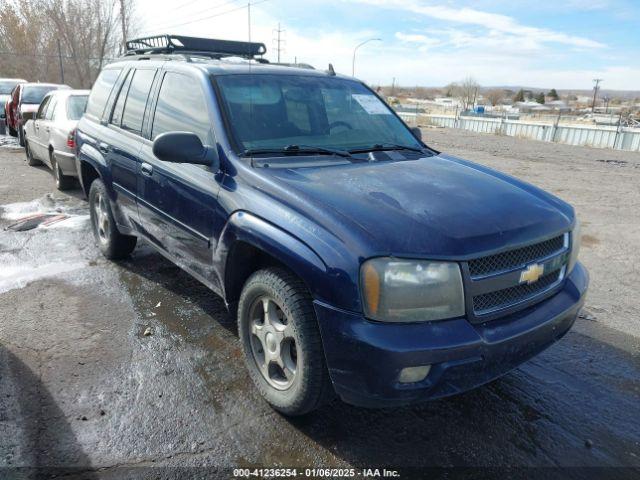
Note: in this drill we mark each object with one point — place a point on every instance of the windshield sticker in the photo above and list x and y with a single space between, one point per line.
372 104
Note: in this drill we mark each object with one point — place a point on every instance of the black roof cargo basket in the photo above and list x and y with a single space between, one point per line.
208 47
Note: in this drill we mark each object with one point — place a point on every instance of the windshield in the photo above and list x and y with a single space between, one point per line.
278 111
35 94
7 86
76 106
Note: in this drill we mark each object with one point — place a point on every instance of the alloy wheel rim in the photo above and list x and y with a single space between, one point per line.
101 218
273 343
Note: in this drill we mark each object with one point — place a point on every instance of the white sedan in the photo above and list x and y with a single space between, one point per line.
50 136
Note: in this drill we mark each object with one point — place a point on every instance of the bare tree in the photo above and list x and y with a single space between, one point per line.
89 33
495 96
468 92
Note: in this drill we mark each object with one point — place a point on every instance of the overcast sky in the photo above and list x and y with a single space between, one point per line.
560 43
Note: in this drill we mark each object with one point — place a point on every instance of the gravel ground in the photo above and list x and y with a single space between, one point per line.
82 386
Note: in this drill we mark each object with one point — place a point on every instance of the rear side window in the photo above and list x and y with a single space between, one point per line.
137 100
100 92
181 107
116 116
76 105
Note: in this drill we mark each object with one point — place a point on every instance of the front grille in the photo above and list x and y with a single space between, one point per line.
513 295
515 258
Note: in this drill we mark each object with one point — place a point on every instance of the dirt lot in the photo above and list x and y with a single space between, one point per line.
82 386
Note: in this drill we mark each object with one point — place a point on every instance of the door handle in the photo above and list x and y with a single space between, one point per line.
146 169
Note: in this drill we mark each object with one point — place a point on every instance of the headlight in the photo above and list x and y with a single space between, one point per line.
411 291
576 235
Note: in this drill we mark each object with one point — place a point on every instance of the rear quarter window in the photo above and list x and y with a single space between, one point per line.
101 91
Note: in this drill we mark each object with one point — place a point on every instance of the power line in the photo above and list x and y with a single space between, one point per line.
216 15
194 15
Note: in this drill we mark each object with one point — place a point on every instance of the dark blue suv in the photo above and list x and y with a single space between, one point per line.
359 260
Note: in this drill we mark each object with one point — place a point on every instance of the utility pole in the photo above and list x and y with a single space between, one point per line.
595 93
279 41
60 60
393 87
249 19
123 19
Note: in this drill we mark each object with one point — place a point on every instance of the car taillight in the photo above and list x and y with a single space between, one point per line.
71 139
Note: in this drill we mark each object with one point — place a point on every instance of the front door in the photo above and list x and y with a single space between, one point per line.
178 203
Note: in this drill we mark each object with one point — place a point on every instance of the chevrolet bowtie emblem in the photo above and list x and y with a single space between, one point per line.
532 274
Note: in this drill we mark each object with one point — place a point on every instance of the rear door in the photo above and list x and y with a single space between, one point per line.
178 203
122 141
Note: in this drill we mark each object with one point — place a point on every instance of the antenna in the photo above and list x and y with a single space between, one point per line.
331 70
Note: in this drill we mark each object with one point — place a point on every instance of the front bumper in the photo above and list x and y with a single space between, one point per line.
364 358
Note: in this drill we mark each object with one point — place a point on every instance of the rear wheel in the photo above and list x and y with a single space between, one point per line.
281 342
12 132
31 160
21 136
111 242
63 182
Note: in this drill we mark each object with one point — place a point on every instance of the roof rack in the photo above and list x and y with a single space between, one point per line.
207 47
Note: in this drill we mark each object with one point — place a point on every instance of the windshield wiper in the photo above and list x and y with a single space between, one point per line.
297 150
383 147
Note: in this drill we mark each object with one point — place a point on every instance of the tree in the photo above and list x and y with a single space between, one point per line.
519 96
540 98
88 32
495 96
553 94
468 92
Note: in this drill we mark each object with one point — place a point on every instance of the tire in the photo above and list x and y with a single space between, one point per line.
284 355
111 242
21 136
63 182
12 132
31 160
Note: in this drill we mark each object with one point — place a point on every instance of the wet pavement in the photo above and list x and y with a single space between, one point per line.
136 367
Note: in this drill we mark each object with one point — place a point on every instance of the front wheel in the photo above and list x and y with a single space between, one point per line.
12 132
281 342
112 243
31 160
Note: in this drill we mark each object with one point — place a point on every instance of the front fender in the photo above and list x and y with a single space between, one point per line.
323 283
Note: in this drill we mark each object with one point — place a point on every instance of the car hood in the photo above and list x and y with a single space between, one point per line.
437 206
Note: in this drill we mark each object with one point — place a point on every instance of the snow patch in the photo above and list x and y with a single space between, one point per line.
19 276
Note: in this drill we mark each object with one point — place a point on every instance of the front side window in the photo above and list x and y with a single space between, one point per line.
181 107
277 111
51 109
76 105
139 90
101 91
42 109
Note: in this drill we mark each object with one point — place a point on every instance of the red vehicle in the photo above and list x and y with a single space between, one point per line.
23 105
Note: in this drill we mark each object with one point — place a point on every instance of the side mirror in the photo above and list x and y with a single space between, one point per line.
185 147
417 133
